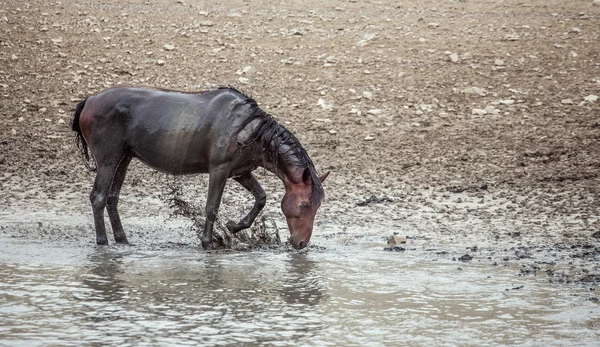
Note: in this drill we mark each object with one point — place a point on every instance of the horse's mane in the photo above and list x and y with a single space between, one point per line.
274 137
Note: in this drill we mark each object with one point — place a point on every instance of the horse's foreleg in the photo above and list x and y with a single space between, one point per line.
216 185
113 199
249 182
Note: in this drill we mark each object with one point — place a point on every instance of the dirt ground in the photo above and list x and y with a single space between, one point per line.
472 122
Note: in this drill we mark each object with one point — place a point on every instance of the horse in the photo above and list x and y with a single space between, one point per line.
222 132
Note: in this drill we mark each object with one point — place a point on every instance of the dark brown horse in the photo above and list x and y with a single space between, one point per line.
221 132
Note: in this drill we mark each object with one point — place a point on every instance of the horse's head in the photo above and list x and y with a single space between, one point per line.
300 207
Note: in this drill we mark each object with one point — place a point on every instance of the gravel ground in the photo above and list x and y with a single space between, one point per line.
472 122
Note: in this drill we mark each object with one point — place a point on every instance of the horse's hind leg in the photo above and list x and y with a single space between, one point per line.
98 196
113 199
249 182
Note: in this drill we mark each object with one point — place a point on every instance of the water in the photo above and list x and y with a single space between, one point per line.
346 295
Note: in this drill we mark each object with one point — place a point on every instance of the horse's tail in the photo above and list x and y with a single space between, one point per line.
79 139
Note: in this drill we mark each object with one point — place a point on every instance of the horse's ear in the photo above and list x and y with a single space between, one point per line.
324 176
306 176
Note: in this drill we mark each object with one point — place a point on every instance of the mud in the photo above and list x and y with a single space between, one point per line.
461 125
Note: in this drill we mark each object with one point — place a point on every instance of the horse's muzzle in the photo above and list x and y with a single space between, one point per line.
298 243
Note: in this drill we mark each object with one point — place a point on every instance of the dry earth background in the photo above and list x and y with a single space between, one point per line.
382 93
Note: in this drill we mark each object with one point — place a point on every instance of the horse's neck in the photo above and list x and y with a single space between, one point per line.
286 173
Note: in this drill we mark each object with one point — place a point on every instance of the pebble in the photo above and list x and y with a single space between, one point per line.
465 257
591 98
369 138
491 110
61 121
499 62
396 240
367 95
475 90
321 103
160 62
14 57
42 110
506 102
14 132
453 57
374 112
168 47
478 112
567 102
332 132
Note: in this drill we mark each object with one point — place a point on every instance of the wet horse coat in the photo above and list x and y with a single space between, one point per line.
221 132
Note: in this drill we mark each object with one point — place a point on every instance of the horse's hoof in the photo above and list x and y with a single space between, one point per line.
207 245
102 242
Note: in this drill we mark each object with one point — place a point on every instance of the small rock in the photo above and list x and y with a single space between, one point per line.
160 62
168 47
395 249
367 95
396 240
491 110
575 30
475 90
13 131
14 57
206 23
322 103
499 62
57 40
506 102
478 112
591 98
374 112
365 40
465 257
453 57
332 132
369 138
61 121
433 25
567 102
42 110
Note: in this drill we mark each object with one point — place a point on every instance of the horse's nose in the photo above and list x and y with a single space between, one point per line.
300 244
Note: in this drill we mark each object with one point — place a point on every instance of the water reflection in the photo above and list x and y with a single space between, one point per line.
302 284
105 267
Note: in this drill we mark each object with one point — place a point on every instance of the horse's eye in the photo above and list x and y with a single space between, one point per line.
303 205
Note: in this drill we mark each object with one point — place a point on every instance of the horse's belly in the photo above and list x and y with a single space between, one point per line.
176 155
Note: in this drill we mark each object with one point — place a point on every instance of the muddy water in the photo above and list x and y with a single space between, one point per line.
73 294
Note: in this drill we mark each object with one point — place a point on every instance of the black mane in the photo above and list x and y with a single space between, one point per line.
279 144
